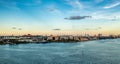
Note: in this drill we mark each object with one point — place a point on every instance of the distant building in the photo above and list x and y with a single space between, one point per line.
50 38
56 38
99 35
10 37
76 38
25 40
71 38
64 37
83 39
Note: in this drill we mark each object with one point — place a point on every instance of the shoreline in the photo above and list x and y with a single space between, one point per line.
18 41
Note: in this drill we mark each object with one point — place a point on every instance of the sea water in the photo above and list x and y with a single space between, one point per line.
89 52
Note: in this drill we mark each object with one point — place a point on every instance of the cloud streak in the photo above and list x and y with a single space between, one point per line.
112 5
34 3
106 17
78 17
10 5
98 28
75 3
98 1
52 9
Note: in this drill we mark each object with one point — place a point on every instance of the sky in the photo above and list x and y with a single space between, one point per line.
43 17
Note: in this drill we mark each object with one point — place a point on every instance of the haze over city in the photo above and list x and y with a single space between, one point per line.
41 17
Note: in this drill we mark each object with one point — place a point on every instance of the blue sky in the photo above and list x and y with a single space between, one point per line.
42 16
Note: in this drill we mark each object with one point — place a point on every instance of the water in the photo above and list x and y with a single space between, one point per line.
91 52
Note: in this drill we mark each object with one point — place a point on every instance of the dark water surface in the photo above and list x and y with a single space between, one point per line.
91 52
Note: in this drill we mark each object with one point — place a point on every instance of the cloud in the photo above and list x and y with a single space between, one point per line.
37 1
98 28
10 5
75 3
87 29
98 1
19 28
33 3
112 5
105 16
73 11
78 17
57 29
13 27
52 9
112 17
14 4
16 28
101 15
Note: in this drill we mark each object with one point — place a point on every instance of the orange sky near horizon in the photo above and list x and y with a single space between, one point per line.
90 32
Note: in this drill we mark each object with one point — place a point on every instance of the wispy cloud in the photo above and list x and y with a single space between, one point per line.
37 1
101 15
112 5
75 3
52 9
98 17
98 1
97 28
34 3
10 5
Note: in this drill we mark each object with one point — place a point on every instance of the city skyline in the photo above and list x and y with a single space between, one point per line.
19 17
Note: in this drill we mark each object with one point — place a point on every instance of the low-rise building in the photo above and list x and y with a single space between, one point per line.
83 39
71 38
76 38
64 38
50 38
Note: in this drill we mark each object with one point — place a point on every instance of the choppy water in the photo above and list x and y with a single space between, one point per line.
91 52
